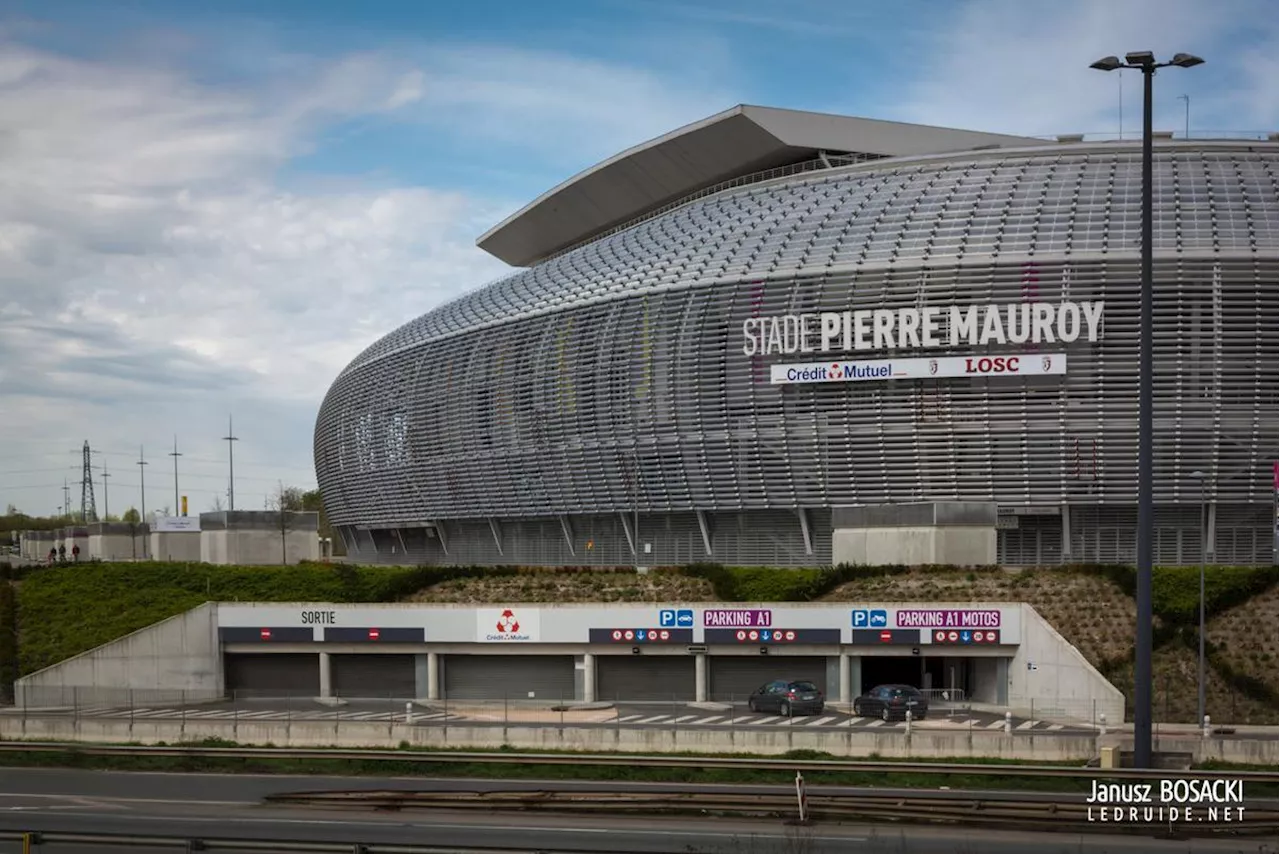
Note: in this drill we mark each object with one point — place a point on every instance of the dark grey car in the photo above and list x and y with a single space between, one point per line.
892 701
787 698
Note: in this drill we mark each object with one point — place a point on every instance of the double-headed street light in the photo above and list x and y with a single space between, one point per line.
1145 62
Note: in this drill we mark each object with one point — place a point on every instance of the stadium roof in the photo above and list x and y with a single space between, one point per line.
740 141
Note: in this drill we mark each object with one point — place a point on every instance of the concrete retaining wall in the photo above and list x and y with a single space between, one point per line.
173 660
845 742
1050 678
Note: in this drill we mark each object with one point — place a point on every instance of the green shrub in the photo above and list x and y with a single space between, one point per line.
65 610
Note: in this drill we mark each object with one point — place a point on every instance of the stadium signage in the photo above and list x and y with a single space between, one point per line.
746 618
1020 364
921 328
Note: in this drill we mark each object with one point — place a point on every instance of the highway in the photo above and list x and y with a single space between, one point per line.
193 805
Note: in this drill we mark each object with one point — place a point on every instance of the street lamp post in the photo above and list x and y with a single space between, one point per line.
1145 62
1204 559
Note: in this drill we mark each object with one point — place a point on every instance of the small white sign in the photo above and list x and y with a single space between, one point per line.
514 624
944 367
176 525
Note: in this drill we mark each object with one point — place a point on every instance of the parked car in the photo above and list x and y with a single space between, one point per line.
787 698
892 701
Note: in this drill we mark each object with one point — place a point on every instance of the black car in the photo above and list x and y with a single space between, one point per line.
892 701
787 698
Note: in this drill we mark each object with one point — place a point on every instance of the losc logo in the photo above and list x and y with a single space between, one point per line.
993 365
669 618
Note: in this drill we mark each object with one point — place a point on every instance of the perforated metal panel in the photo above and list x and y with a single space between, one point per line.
734 678
613 377
512 677
272 674
373 676
645 677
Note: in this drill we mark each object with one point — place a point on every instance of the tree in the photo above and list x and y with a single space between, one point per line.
133 519
283 502
313 501
217 504
12 510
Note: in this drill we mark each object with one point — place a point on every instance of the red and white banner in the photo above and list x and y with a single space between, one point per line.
942 367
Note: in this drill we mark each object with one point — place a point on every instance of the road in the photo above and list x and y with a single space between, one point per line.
193 805
629 715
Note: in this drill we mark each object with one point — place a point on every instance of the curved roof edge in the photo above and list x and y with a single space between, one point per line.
739 141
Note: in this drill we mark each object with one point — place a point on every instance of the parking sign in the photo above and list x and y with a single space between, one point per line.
670 618
860 619
667 618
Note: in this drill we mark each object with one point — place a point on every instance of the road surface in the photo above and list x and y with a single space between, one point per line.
193 805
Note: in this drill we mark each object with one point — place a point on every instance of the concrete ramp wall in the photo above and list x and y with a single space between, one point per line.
1050 678
174 660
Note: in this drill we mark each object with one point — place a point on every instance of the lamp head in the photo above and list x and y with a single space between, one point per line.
1140 58
1108 63
1197 474
1186 60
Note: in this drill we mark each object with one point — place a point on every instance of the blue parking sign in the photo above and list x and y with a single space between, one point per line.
861 619
667 618
879 619
684 618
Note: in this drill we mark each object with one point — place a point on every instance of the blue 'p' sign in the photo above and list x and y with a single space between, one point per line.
667 618
861 619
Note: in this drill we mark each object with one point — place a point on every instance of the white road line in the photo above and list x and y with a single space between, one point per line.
876 722
767 720
653 719
855 720
629 718
995 725
216 713
158 713
709 720
1026 725
821 721
1055 727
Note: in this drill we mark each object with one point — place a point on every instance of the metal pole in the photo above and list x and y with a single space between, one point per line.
175 456
1204 559
142 481
635 506
106 500
231 439
1146 511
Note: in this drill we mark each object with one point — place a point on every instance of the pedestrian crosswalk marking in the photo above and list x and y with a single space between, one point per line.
711 719
822 721
652 719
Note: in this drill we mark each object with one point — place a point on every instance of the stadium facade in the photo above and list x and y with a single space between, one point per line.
725 335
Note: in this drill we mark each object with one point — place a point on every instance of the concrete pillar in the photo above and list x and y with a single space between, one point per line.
855 676
700 678
433 676
589 677
845 692
326 676
421 676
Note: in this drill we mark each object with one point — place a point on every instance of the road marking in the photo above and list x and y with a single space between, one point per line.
1026 725
773 719
709 720
821 721
876 722
256 715
629 718
995 725
683 719
1055 727
856 720
218 713
653 719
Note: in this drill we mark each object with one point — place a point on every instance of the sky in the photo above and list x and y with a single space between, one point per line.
207 210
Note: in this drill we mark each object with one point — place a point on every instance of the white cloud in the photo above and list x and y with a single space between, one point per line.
1016 67
156 275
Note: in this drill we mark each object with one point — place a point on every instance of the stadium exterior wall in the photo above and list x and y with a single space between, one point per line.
528 422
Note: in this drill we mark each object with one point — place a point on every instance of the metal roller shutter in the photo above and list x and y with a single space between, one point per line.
513 677
273 674
371 676
733 678
645 677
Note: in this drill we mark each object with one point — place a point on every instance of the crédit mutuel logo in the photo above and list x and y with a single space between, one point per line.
1167 801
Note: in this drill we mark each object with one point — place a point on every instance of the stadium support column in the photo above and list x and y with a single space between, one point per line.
433 676
1145 62
700 678
588 677
326 675
845 694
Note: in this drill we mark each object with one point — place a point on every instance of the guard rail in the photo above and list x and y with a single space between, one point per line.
745 764
1040 811
52 843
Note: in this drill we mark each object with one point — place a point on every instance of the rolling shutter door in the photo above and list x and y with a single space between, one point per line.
734 678
645 677
273 674
513 677
371 676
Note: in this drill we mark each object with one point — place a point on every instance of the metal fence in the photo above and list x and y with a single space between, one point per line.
947 710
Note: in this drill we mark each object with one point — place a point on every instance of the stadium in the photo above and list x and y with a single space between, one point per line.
735 341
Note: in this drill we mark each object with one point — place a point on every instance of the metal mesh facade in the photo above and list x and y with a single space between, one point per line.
525 422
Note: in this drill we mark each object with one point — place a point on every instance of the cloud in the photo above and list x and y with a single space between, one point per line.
1022 68
157 273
